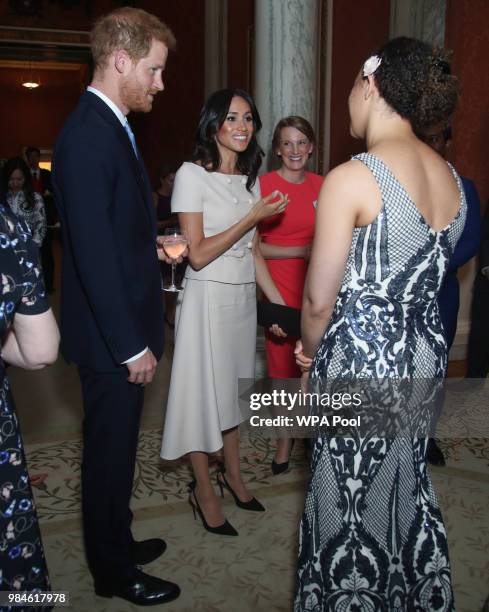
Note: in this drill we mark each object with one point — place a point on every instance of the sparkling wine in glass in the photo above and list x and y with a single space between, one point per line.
174 244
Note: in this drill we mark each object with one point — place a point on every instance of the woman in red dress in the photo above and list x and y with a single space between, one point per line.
285 243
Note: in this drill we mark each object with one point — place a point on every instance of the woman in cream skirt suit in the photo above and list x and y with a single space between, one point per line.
218 203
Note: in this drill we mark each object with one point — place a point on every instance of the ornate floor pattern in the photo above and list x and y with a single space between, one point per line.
254 572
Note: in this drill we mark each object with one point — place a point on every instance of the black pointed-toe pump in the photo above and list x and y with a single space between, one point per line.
253 504
225 529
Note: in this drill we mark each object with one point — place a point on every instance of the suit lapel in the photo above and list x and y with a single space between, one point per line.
137 165
141 176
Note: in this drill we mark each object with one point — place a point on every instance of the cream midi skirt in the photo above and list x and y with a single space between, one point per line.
215 344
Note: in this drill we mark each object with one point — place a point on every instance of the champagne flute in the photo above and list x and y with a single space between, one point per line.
174 244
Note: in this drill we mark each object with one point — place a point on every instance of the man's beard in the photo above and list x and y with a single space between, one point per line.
135 97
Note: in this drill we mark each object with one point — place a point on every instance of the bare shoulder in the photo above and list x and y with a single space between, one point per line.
351 181
418 168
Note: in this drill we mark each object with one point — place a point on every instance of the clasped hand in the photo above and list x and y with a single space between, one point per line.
277 331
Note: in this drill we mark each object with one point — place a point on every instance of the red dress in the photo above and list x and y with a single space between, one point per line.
295 227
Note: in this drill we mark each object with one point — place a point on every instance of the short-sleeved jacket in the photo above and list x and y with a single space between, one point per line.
224 200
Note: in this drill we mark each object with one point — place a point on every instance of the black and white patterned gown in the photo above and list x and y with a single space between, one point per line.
372 537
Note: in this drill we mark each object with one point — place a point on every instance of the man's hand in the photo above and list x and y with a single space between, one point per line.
142 370
162 256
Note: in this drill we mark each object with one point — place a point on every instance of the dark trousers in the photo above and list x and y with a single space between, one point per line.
112 409
478 346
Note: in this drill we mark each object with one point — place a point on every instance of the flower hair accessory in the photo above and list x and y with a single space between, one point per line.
371 65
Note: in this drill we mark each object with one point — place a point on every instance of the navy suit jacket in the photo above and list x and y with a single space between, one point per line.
111 302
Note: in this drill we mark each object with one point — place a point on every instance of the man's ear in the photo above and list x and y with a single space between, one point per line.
121 60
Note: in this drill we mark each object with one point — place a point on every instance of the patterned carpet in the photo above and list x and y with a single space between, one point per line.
254 572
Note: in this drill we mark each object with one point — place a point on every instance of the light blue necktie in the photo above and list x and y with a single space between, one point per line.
127 127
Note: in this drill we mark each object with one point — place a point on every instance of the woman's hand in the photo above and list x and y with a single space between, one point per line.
162 256
302 360
269 206
277 331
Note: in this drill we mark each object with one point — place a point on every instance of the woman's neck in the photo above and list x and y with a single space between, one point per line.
229 160
382 129
292 176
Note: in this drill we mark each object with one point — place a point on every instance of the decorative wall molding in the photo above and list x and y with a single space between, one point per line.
19 43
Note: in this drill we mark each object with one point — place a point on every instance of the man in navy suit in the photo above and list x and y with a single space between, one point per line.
111 304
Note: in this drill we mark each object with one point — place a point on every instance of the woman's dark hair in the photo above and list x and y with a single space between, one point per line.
212 116
415 80
299 123
17 163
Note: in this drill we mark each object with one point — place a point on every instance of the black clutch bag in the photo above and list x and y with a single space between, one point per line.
286 317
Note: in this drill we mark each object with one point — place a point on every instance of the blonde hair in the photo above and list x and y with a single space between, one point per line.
127 28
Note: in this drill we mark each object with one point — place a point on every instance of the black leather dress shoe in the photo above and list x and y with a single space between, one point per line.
147 551
142 590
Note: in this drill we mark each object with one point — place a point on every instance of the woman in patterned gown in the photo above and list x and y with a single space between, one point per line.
21 198
372 536
29 339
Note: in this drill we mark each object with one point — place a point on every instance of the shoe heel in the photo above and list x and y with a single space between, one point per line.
193 509
224 529
220 485
191 489
220 470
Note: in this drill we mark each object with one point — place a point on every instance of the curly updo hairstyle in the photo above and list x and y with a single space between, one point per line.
415 80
